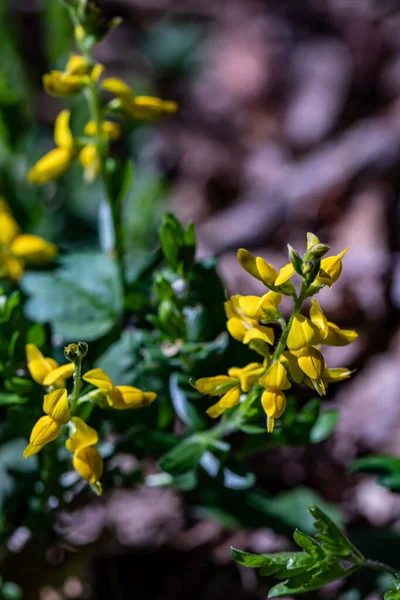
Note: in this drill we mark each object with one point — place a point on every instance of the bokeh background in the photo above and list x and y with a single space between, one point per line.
289 122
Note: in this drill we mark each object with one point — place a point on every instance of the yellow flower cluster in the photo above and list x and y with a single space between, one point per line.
58 408
18 249
80 74
296 356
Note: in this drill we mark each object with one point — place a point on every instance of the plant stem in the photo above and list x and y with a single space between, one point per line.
77 385
101 148
113 203
381 567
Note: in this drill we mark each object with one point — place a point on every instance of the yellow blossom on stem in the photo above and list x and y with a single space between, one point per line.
229 386
259 268
274 405
302 333
19 249
330 269
77 75
246 329
47 428
143 108
53 164
276 377
120 397
45 370
86 459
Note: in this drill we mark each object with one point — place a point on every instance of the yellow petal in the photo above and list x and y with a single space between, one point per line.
11 268
82 437
89 464
118 87
125 396
9 228
45 430
230 399
318 318
268 273
273 403
237 328
285 274
302 333
336 374
247 375
149 108
293 366
96 73
56 406
247 261
99 379
59 375
62 132
311 362
111 130
89 159
331 268
77 65
57 83
276 377
249 305
273 297
339 337
32 248
51 166
265 334
39 367
215 386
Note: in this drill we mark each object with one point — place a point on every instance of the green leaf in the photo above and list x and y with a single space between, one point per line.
82 299
321 561
11 591
324 425
183 407
388 466
394 592
7 399
184 457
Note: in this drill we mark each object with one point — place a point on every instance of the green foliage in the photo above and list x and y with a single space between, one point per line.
178 244
394 592
387 467
81 299
323 559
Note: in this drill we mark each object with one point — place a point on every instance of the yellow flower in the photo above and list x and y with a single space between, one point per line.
120 397
143 108
53 164
291 364
47 428
18 249
339 337
77 75
88 156
89 464
330 269
273 399
259 268
276 377
302 333
86 460
229 386
329 376
46 371
311 362
274 405
246 329
318 318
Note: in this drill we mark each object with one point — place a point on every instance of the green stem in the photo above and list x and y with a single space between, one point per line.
101 148
381 567
77 386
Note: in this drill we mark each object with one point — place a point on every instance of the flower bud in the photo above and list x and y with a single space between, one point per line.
83 348
316 252
295 259
71 352
307 267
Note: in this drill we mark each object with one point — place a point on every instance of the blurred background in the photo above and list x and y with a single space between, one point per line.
289 122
